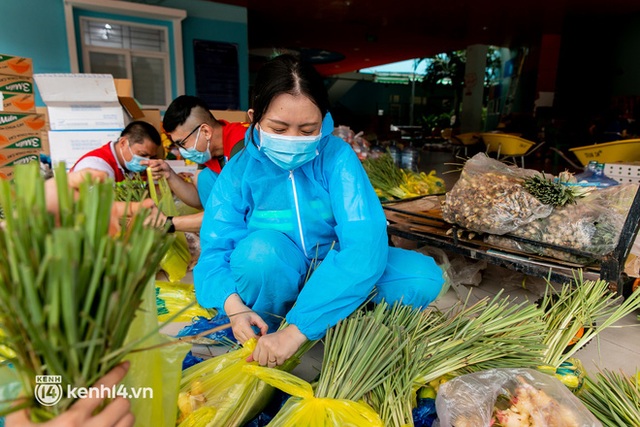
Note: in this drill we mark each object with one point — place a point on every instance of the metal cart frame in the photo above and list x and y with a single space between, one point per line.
432 230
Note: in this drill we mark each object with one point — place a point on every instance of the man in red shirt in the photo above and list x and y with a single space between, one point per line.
138 143
202 139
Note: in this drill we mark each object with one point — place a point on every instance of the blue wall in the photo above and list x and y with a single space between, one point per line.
36 29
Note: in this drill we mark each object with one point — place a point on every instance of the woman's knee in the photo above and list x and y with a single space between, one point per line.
411 277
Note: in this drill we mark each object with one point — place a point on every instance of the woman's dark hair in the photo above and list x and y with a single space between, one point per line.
287 74
138 131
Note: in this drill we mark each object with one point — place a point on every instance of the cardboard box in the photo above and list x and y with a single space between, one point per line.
231 115
17 102
15 65
16 84
17 157
153 117
124 87
6 173
21 122
180 166
44 139
69 146
81 101
20 140
17 94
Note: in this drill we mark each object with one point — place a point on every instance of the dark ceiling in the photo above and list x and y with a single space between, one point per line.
365 33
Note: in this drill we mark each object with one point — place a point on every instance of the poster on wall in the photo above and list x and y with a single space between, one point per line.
217 74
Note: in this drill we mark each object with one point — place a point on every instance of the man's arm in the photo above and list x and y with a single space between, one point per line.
186 191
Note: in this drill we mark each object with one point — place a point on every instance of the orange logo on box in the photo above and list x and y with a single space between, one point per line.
24 103
4 139
3 158
19 65
35 123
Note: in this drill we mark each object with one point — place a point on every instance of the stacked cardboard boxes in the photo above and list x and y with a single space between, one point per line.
20 126
83 111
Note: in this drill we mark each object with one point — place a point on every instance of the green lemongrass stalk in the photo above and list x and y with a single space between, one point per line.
614 398
359 354
132 189
394 399
487 334
68 289
582 303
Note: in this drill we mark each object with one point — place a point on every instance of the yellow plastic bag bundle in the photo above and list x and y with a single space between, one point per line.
176 262
304 409
221 384
154 374
176 297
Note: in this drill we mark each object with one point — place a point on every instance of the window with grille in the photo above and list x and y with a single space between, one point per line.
129 51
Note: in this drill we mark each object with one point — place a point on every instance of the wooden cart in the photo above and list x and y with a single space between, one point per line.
420 220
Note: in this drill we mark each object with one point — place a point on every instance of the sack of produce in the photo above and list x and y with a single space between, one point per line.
510 397
592 224
490 197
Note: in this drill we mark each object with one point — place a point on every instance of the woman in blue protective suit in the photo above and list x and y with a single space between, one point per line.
294 194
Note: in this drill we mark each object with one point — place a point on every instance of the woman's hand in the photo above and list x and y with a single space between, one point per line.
274 349
116 414
243 319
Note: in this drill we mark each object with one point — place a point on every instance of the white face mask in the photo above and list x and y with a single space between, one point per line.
289 152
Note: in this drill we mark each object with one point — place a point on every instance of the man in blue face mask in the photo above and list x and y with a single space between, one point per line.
138 143
202 139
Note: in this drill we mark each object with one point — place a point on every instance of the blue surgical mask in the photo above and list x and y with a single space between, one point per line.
134 165
289 152
193 154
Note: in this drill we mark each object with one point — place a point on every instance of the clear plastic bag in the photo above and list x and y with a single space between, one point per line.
541 399
593 224
489 197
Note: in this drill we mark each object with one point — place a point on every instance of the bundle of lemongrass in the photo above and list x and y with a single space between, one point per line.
614 398
585 306
360 353
68 289
176 262
491 333
132 189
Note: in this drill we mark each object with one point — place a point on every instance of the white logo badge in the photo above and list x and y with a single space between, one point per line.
48 389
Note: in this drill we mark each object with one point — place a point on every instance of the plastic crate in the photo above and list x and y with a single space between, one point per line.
624 173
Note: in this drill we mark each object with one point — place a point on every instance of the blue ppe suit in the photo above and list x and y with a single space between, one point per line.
263 226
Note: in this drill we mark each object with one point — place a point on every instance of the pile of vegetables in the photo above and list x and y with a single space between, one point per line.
392 182
69 290
592 224
614 398
530 406
489 197
575 315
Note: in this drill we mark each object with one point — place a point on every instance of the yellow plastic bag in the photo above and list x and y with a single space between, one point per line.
220 383
304 409
177 259
154 374
172 297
